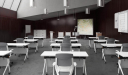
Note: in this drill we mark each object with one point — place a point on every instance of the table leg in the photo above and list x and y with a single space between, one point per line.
95 47
90 43
85 66
44 66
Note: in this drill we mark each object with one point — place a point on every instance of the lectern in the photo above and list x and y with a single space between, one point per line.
51 36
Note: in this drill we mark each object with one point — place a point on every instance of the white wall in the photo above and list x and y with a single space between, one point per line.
52 5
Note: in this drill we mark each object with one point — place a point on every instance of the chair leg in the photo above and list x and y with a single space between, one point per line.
5 69
53 71
75 70
118 71
9 69
103 56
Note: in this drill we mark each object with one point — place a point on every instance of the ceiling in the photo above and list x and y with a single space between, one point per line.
54 7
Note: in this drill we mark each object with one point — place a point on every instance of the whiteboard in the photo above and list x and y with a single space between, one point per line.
60 34
123 22
85 26
40 33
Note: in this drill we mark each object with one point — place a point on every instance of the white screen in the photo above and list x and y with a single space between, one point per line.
85 26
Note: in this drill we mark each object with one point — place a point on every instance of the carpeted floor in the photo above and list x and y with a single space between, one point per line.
34 65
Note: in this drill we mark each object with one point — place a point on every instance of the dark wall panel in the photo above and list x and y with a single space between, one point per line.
11 27
65 24
7 13
105 19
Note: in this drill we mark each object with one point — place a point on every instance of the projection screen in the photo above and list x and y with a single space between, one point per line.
85 26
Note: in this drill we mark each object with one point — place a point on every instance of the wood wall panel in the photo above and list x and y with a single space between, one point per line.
65 24
11 27
105 19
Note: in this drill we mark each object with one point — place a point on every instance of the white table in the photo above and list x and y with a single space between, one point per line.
109 49
4 60
63 37
20 48
101 42
92 38
73 40
3 53
73 45
123 54
52 54
39 38
33 43
36 37
122 63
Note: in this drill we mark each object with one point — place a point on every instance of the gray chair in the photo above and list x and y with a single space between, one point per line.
109 51
110 41
68 37
66 40
5 61
65 47
124 47
64 64
123 63
3 46
30 37
101 38
20 40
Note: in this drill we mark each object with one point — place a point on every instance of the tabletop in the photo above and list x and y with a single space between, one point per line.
123 54
62 40
102 40
30 40
111 45
18 44
58 44
70 37
95 37
75 54
3 53
36 37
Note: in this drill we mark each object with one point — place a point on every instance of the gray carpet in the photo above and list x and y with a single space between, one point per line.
34 65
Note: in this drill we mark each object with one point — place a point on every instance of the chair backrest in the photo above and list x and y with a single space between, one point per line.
64 59
60 34
20 40
101 37
67 37
68 34
3 46
66 47
110 41
30 36
124 47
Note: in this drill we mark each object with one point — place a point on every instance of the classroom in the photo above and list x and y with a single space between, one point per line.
63 37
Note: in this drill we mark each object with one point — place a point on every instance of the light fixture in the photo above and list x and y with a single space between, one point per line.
74 14
58 16
87 11
45 10
31 3
65 3
100 3
65 11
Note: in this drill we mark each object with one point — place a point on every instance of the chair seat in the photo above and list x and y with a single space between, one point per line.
65 69
64 73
